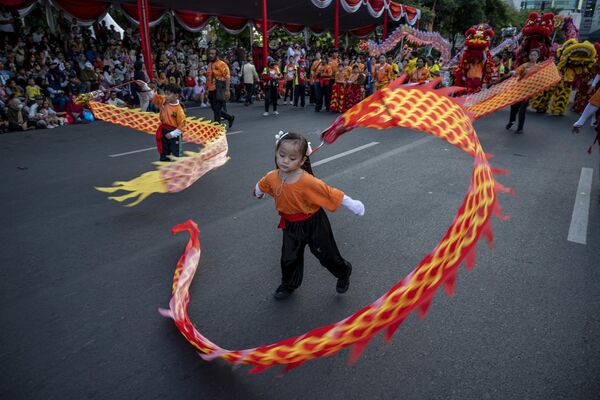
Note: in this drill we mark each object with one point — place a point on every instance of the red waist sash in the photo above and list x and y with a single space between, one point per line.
159 136
292 218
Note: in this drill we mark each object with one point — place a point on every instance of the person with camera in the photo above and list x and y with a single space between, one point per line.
271 76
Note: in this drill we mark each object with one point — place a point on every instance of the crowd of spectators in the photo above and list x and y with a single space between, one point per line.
42 72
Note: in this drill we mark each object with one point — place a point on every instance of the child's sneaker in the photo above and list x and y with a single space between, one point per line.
344 283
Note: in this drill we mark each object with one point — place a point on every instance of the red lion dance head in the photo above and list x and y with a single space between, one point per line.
475 65
536 34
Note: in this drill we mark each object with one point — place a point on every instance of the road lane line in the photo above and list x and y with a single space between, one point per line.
154 147
133 152
345 153
581 209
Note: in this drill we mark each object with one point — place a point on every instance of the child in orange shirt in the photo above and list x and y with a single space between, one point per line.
300 199
172 118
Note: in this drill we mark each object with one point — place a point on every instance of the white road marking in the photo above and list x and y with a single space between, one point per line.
154 147
345 153
132 152
581 209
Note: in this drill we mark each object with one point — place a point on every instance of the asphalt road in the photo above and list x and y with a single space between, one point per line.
81 277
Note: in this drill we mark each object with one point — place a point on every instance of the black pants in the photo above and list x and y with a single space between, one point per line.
289 88
170 146
249 90
299 93
271 97
316 233
217 107
521 109
324 97
315 93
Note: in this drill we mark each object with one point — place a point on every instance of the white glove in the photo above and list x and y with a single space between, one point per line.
173 134
258 193
356 206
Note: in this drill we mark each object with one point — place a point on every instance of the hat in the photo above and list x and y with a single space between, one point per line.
88 65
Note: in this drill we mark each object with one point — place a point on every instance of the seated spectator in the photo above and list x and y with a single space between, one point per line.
74 110
190 83
113 100
32 90
3 121
52 118
56 85
12 89
35 116
17 117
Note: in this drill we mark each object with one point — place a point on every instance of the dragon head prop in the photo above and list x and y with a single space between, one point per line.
539 25
479 37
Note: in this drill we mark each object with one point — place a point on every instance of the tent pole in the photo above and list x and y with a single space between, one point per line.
265 33
385 25
336 28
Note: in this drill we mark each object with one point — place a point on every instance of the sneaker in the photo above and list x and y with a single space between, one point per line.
344 283
282 293
519 131
231 121
509 125
266 114
275 112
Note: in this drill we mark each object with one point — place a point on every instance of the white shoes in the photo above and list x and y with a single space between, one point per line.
265 114
275 113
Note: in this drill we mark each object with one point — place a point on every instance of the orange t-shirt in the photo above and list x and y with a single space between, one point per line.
314 70
305 196
385 74
325 71
221 73
170 114
420 75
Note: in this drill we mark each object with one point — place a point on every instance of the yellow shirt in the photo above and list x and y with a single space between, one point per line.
305 196
32 91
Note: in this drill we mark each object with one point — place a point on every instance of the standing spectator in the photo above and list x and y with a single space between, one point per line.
384 73
290 74
300 83
324 75
218 74
315 88
250 77
271 76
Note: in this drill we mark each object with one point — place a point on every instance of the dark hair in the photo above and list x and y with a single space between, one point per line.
302 143
172 88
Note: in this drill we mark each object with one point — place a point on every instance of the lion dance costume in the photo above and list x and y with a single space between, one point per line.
475 66
537 34
419 107
575 62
